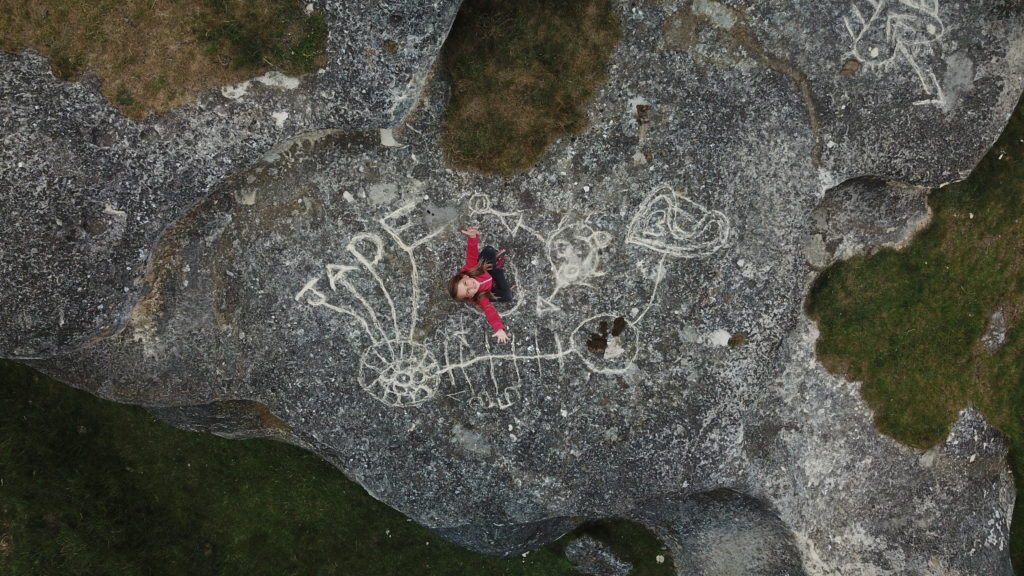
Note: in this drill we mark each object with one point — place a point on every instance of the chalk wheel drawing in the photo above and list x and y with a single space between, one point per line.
399 373
677 226
607 343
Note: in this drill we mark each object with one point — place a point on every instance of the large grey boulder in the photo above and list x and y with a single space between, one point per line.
86 191
660 351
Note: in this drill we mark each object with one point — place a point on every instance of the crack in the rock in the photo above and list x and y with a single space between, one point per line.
746 39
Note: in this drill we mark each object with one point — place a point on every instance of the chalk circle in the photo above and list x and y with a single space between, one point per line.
607 343
479 203
399 373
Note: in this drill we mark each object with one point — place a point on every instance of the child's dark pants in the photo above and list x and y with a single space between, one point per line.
500 288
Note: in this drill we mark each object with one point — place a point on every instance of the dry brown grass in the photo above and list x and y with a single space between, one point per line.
151 55
522 73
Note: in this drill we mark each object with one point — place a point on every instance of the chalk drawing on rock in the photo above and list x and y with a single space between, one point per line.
395 369
573 250
607 343
403 368
514 223
886 32
479 372
399 373
574 254
677 226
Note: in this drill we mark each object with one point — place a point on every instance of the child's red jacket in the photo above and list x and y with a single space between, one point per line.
485 280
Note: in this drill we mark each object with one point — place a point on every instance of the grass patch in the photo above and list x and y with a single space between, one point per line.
93 487
521 74
909 324
155 55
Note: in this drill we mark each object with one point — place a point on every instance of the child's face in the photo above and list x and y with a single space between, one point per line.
467 288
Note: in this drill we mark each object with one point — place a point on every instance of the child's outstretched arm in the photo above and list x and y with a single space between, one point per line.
493 319
472 244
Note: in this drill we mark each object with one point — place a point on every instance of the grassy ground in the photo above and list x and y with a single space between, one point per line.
92 487
909 324
154 55
521 74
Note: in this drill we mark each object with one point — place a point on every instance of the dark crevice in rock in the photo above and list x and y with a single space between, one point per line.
236 419
509 539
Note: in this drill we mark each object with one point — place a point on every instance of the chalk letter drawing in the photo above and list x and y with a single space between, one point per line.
401 372
395 369
885 31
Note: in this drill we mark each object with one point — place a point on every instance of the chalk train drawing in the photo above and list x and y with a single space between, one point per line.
399 371
886 31
474 377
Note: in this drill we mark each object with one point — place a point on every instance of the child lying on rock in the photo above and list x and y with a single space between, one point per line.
482 280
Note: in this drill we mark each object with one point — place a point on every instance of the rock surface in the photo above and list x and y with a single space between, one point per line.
724 532
863 215
594 558
87 191
660 351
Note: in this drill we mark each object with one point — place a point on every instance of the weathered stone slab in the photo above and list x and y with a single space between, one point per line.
862 215
86 191
660 350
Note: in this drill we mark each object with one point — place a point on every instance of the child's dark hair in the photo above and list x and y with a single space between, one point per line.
453 284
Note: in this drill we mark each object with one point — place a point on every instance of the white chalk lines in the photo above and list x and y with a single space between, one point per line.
885 32
378 290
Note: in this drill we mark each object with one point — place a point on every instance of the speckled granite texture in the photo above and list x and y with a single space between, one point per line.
662 368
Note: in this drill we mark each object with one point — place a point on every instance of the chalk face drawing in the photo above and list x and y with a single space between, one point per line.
574 252
375 287
572 249
886 32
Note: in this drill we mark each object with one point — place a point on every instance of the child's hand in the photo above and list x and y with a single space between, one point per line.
471 231
501 335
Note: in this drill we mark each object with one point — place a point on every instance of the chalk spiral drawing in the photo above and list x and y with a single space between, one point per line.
399 371
677 226
888 31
